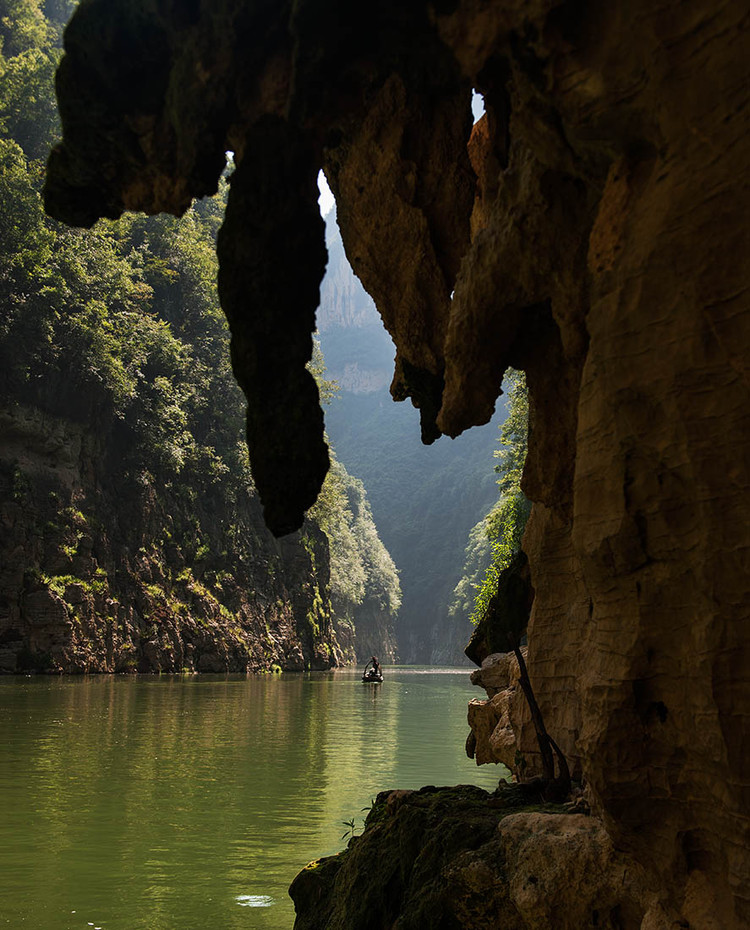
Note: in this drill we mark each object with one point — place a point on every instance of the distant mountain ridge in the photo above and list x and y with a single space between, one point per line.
344 303
425 500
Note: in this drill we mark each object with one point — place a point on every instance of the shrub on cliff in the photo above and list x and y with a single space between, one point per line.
495 539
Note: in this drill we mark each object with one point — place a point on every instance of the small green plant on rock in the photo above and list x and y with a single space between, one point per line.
351 826
505 523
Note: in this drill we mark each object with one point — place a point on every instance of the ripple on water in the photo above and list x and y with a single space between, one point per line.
254 900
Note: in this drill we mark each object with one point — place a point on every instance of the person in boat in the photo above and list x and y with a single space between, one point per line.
374 673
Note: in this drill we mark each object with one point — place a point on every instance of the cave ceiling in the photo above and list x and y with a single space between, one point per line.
153 94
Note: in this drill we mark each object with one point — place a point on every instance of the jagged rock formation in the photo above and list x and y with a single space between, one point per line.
494 738
594 234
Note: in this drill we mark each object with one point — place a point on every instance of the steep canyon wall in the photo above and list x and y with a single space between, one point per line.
106 570
591 230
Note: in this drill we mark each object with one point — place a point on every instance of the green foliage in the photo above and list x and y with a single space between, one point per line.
513 434
115 316
20 485
333 513
505 523
351 826
381 576
29 54
477 556
361 567
317 367
58 583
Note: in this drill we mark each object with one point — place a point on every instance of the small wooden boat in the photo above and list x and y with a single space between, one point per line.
373 676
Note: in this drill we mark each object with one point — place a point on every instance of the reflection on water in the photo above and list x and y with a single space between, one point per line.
157 803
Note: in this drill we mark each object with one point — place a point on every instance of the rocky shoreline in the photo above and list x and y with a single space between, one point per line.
450 858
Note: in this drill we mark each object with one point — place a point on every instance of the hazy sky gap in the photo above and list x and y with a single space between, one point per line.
325 201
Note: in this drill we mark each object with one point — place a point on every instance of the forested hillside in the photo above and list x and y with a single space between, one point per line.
132 536
425 499
497 536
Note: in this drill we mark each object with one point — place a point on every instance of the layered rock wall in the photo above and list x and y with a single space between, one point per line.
103 573
593 232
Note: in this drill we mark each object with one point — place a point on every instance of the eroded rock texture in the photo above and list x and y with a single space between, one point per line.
498 722
459 857
592 231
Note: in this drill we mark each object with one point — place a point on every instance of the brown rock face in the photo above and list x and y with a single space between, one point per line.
501 724
594 233
267 229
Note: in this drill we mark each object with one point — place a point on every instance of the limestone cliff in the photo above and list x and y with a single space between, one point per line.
344 303
592 232
105 573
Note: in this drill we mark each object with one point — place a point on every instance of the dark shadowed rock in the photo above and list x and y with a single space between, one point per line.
457 858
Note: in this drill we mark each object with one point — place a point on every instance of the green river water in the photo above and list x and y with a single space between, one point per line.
189 803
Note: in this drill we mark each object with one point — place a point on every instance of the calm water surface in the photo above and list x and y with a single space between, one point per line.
145 803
